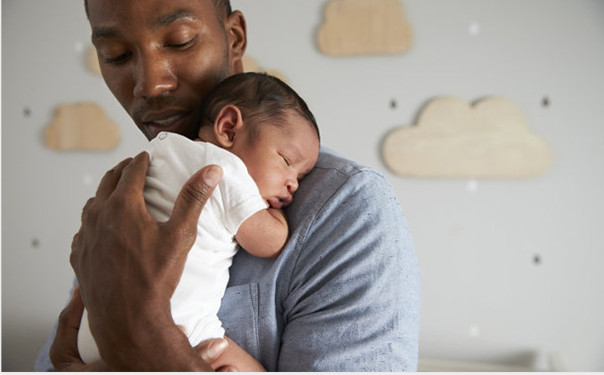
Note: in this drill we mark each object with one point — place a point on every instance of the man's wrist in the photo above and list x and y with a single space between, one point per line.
154 343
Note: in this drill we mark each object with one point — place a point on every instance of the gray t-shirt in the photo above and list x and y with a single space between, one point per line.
344 294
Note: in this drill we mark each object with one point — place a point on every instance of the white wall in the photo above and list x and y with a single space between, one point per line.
484 297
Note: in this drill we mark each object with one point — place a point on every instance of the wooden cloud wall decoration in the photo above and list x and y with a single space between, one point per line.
81 127
92 61
251 65
453 139
364 27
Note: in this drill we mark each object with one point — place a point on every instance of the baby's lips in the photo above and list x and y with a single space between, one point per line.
281 202
275 203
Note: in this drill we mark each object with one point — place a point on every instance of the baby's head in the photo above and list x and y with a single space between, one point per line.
268 125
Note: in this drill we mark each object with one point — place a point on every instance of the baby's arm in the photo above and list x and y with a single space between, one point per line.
264 234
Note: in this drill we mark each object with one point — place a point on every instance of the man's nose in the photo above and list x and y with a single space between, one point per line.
153 76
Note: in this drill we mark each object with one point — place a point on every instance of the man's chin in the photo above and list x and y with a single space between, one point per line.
180 127
152 132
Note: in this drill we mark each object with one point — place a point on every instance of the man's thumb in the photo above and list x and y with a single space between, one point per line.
194 195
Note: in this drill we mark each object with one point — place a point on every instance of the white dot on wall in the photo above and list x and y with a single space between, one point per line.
474 331
472 186
87 179
78 47
474 29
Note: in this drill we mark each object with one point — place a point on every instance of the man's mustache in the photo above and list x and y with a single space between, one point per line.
157 103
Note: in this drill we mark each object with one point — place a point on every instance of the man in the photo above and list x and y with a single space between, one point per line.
342 296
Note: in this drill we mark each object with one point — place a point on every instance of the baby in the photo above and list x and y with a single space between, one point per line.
265 139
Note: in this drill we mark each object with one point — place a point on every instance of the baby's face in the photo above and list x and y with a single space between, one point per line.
280 158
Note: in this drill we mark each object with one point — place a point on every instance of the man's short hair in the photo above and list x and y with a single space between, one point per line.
222 8
260 97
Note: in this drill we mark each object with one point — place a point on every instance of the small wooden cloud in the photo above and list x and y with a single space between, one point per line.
364 27
81 127
452 139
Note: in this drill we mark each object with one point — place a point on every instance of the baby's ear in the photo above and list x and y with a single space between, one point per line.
227 125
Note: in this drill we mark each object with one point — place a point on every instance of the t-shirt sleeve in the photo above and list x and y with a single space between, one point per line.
175 158
239 193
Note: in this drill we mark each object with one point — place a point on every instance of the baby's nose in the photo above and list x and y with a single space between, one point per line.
292 185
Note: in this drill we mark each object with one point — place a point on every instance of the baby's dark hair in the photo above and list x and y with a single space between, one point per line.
260 97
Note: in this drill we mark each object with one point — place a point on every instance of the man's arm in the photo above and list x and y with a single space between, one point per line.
125 259
354 297
220 354
263 234
64 350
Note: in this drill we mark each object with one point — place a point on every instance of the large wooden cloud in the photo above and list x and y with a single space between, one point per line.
364 27
453 139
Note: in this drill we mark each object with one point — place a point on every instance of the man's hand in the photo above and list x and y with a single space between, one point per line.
128 266
64 350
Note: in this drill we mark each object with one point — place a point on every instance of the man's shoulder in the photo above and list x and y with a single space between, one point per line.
335 172
336 180
332 161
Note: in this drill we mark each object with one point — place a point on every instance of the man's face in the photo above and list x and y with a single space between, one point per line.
161 57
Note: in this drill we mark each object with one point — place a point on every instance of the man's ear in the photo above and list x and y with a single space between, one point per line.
228 125
237 40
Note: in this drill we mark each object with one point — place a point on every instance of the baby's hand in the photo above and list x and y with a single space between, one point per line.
224 355
264 233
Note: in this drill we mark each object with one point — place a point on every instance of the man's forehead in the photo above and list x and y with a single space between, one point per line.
113 18
156 12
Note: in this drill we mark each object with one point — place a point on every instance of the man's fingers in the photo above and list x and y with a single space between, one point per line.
64 348
74 256
108 182
133 175
194 196
72 314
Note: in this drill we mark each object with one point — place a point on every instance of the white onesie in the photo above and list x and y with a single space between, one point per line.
196 300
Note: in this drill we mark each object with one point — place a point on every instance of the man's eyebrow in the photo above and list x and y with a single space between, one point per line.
103 32
167 19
